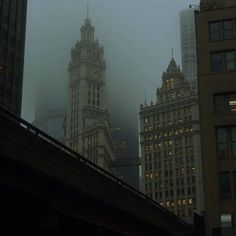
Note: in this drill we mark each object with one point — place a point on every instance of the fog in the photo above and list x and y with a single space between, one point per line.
137 36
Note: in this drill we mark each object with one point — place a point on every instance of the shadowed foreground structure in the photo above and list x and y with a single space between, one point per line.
45 185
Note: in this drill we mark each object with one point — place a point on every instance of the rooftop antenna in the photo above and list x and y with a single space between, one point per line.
87 11
145 97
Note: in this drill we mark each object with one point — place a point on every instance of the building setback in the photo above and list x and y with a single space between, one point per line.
188 46
12 43
216 52
88 124
170 146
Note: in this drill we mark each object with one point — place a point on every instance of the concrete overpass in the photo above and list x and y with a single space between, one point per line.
45 185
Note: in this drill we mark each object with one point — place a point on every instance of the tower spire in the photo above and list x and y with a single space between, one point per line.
87 11
172 53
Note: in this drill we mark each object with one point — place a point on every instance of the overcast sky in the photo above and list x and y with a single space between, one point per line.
137 36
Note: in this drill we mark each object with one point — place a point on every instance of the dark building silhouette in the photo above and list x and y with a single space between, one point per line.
216 52
12 43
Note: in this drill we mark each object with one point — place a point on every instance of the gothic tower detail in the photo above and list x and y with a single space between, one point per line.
88 124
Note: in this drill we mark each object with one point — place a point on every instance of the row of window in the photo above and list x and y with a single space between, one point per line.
169 114
165 164
164 124
176 141
170 152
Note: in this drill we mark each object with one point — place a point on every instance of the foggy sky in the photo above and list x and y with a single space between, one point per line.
137 36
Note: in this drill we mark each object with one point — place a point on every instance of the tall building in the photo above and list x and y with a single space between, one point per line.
12 43
216 52
170 146
49 114
88 128
188 46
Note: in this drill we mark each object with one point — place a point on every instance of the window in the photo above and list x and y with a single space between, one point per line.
223 61
221 30
224 185
216 62
234 184
226 220
230 60
222 146
227 29
225 103
214 31
226 142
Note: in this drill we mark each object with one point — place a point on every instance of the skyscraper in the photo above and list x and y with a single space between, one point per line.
170 146
12 43
216 51
88 124
188 46
49 113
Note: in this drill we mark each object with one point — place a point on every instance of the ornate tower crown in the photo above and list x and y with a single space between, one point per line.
87 31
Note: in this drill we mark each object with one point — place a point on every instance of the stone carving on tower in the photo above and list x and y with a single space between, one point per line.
87 123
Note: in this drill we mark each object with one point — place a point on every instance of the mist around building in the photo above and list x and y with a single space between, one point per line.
182 154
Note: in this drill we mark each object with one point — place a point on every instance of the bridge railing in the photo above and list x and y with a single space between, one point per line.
39 133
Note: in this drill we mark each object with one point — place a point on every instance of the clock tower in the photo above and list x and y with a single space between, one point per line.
87 123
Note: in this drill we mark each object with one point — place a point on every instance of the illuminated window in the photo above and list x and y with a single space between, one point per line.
190 201
225 103
226 220
183 202
179 202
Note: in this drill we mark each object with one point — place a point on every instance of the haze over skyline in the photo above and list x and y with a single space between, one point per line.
137 36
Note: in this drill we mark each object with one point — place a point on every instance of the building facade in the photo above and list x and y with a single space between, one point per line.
188 46
170 146
88 129
216 51
12 43
49 113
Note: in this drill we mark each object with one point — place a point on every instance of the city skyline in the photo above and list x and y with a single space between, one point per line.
51 32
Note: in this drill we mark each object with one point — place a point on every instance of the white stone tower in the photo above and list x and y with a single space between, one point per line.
87 122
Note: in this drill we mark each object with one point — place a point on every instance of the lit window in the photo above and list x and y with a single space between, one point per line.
190 201
226 220
183 201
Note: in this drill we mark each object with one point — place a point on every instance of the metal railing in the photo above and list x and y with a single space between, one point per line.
19 121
